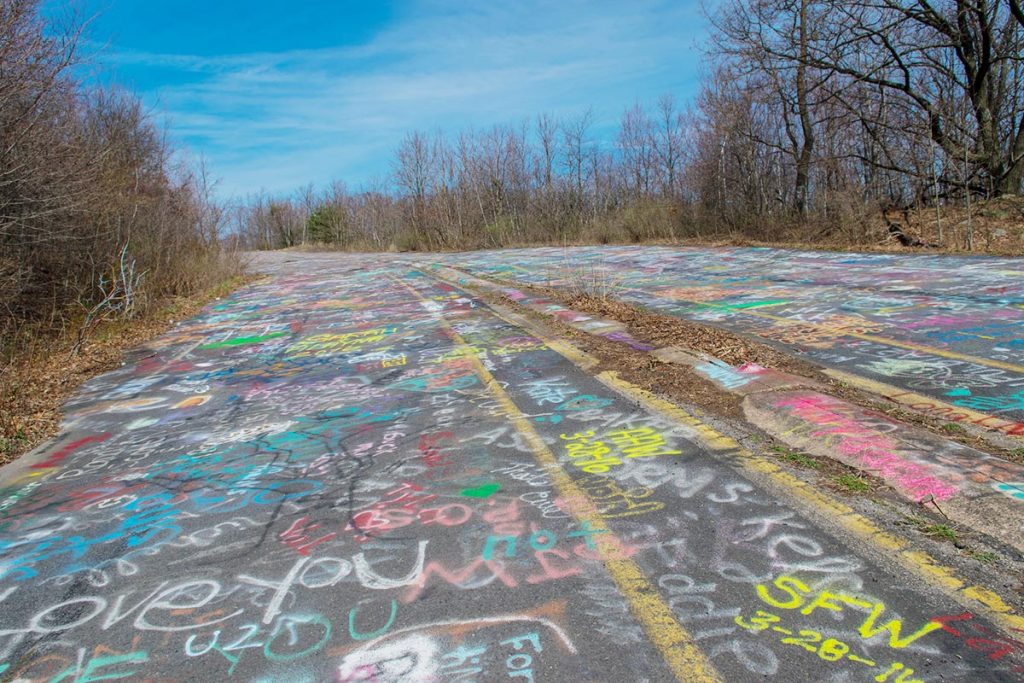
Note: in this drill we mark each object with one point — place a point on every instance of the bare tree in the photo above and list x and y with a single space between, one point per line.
636 145
769 43
547 134
938 57
92 195
575 141
668 145
414 170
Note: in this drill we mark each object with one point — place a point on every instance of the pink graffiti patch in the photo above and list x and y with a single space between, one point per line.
867 447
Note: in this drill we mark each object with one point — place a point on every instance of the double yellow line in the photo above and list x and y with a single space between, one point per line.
675 644
672 640
984 600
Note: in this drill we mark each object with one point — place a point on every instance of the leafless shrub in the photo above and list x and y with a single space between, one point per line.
94 214
120 290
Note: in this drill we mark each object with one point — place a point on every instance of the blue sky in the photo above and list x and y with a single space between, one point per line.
275 95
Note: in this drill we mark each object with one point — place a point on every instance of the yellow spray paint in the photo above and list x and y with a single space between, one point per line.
920 563
673 641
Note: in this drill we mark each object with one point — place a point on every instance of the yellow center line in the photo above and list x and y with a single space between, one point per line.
922 564
672 640
931 350
922 403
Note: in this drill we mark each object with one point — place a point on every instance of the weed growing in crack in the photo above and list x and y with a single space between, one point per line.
940 531
982 556
852 483
796 458
592 282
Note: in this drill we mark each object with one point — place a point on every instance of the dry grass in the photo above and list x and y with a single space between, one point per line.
664 330
997 225
589 281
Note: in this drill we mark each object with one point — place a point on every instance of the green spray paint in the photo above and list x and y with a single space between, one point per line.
481 491
243 341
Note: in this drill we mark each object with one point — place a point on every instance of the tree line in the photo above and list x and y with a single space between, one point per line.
99 216
816 116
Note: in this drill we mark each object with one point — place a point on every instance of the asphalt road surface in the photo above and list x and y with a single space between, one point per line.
948 327
354 472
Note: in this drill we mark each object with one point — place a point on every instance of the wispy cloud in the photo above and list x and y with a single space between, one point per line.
277 120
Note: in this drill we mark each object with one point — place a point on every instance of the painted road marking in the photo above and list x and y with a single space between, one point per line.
686 661
919 562
902 396
928 405
910 346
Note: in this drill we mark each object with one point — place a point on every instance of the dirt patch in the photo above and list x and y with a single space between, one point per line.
668 379
664 330
37 378
640 368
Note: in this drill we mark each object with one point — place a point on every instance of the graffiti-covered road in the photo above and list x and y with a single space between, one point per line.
354 472
949 328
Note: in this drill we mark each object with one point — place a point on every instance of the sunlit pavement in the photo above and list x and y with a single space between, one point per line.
354 472
950 328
